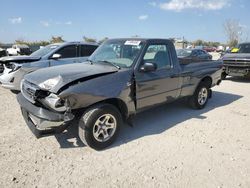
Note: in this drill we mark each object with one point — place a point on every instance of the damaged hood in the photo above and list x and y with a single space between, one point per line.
18 59
66 74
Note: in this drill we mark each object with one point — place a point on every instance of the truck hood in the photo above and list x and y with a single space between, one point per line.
236 56
69 74
18 59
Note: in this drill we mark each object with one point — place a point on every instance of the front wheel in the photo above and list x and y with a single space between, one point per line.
99 126
200 97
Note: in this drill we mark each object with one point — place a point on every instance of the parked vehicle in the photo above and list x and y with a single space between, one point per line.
52 55
220 49
3 53
121 78
192 55
237 63
209 49
19 49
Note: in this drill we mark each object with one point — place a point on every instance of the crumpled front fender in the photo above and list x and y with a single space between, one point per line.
112 86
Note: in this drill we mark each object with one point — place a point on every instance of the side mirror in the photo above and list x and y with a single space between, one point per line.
148 67
56 56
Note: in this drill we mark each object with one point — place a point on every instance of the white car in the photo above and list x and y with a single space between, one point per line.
18 49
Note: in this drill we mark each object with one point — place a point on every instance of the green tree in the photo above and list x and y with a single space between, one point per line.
198 42
233 43
233 30
87 39
56 39
103 40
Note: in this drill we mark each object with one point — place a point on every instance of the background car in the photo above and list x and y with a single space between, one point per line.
52 55
192 55
209 49
19 49
237 63
3 52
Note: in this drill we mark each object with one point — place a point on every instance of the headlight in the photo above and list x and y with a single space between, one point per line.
14 67
50 83
54 102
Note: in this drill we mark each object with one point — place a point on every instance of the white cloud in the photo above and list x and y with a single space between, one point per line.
179 5
45 23
51 23
143 17
17 20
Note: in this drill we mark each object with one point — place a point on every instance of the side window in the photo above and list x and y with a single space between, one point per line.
68 52
203 52
87 50
158 54
195 53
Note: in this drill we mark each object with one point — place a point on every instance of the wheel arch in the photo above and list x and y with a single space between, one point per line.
118 103
206 79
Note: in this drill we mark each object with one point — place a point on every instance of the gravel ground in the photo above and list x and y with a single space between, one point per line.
169 146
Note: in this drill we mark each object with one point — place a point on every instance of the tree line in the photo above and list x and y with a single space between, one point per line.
56 39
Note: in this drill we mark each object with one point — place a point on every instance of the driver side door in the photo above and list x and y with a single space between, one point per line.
158 86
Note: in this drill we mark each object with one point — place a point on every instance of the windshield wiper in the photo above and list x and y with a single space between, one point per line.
111 63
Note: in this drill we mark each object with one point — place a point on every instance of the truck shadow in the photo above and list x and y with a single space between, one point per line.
153 121
239 79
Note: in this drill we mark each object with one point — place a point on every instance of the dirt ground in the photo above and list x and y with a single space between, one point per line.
169 146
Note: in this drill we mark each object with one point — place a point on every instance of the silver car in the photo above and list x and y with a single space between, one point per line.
16 67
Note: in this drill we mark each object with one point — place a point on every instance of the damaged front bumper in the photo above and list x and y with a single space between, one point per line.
41 121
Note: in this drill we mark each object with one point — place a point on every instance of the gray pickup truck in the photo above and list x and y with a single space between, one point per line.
121 78
237 64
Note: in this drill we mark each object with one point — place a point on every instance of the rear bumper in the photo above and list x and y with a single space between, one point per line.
41 121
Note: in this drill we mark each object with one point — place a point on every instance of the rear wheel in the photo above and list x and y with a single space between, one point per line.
200 97
99 126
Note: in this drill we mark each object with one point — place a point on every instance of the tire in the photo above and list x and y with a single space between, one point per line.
200 96
98 121
223 76
15 91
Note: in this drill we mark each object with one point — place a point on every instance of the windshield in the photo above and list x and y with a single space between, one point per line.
44 50
118 52
183 52
244 48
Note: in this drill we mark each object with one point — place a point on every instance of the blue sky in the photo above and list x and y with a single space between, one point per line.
193 19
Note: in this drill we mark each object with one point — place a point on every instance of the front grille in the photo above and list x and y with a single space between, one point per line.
1 68
237 60
29 91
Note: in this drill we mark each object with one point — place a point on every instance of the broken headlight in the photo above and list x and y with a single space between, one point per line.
50 83
54 102
14 67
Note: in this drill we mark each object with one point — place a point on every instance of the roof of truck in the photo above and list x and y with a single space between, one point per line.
141 39
76 42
